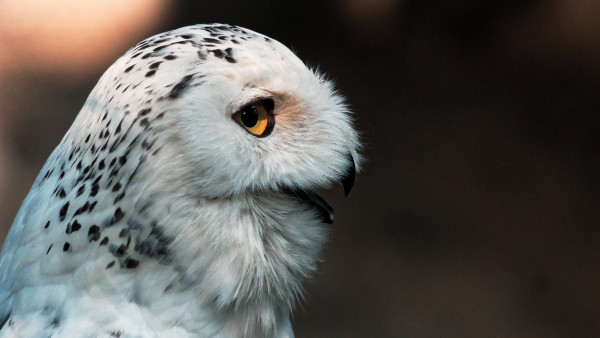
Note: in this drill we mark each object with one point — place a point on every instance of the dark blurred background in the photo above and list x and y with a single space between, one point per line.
476 214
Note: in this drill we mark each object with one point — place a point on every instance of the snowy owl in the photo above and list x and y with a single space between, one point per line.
180 203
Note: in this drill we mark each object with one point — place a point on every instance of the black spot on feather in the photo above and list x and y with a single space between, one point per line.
155 65
180 87
63 212
131 263
117 216
104 241
94 233
117 251
81 189
72 227
144 112
4 320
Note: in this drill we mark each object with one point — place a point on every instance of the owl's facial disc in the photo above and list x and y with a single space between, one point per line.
317 202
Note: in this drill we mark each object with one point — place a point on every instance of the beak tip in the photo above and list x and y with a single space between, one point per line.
347 189
348 180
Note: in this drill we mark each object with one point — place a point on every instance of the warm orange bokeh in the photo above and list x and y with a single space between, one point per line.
66 39
69 36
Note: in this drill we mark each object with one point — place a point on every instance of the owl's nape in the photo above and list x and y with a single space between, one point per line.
161 211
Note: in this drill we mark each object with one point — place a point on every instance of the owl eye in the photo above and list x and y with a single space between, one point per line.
257 117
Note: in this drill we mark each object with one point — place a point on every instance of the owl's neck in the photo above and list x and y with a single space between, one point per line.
244 258
234 266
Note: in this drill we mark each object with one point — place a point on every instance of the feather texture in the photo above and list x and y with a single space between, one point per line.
160 215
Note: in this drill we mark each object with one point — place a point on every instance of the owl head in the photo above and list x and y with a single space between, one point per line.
243 114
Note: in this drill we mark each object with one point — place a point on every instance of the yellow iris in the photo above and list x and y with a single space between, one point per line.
255 118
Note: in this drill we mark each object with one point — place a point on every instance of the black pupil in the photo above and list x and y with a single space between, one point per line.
250 116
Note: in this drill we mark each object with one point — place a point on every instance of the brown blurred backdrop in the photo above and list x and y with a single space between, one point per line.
477 212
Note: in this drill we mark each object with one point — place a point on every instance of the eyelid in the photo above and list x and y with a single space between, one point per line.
255 100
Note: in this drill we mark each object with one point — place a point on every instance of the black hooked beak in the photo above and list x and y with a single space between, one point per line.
317 201
348 180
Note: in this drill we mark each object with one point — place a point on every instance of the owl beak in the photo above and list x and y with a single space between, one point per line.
316 201
348 180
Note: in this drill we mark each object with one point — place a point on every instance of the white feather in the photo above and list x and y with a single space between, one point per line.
185 229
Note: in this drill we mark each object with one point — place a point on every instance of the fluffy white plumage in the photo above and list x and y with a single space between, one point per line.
160 214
